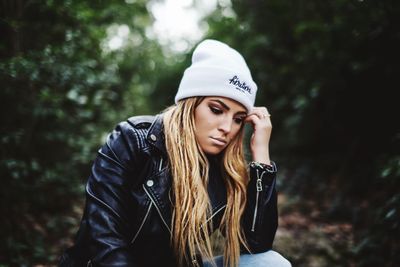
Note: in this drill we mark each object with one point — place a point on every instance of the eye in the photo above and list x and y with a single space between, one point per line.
215 110
238 120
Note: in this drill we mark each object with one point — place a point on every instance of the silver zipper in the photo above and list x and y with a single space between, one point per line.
159 169
141 225
158 210
215 213
259 189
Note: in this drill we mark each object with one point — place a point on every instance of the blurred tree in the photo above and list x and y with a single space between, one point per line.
63 86
328 72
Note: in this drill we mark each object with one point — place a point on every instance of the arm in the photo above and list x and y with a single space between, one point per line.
260 218
104 235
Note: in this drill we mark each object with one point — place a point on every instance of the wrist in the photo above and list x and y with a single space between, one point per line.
262 157
262 166
265 161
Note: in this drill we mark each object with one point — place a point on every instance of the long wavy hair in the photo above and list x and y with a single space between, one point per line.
189 168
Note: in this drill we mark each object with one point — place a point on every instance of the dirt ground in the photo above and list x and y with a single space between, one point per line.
306 240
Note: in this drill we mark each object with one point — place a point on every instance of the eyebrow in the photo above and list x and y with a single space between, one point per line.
226 106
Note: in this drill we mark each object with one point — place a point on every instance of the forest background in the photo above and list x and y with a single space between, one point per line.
327 70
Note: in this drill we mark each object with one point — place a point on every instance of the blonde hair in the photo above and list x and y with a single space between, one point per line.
189 168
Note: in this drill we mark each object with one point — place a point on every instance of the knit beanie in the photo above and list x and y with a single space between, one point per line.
218 70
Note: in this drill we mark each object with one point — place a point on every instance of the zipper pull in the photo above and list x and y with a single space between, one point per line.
259 185
259 182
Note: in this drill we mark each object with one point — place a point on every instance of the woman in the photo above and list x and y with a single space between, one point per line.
161 185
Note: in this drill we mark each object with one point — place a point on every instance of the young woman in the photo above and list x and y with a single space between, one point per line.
161 185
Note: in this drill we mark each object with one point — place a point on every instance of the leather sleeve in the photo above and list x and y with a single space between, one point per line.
107 212
260 218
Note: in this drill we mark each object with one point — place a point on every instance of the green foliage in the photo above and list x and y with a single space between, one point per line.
61 91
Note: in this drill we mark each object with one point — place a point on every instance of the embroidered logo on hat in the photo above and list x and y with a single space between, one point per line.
239 85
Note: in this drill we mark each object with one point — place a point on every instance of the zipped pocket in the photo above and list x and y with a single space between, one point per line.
259 188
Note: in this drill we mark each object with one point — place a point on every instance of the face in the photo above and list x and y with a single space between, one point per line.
218 120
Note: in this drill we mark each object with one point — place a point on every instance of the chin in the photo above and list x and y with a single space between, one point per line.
212 151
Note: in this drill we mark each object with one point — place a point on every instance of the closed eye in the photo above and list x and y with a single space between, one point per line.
216 110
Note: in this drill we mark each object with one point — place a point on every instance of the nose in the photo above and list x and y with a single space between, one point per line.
225 125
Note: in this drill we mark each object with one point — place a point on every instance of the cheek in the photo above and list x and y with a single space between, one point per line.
235 131
204 123
200 122
202 127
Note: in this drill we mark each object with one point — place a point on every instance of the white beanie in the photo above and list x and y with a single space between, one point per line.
218 70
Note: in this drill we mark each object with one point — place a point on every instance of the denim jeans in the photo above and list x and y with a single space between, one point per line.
265 259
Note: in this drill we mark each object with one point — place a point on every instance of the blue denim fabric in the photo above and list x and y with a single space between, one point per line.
267 259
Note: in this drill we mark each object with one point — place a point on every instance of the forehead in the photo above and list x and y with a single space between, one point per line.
228 102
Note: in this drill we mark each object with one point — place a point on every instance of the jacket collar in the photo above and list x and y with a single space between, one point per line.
155 135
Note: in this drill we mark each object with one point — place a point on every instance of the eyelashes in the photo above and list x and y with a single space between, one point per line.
238 120
217 111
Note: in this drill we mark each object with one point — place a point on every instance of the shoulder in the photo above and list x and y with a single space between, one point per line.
136 130
128 139
136 123
141 122
135 127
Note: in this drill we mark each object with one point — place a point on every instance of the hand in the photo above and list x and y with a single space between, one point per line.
260 119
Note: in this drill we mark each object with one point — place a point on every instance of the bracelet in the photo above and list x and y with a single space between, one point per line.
262 166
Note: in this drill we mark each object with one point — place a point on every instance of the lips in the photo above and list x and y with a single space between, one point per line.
219 141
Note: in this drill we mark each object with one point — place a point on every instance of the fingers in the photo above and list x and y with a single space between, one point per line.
260 119
261 113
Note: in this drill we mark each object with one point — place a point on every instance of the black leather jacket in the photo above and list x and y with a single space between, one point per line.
127 217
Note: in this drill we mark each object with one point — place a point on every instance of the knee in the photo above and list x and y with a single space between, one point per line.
274 259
